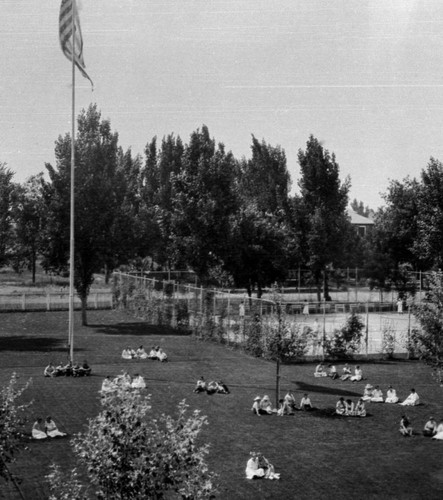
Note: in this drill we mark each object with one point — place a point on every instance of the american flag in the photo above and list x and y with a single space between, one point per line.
65 29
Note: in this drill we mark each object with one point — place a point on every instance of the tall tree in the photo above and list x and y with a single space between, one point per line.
6 199
98 202
205 196
323 210
29 219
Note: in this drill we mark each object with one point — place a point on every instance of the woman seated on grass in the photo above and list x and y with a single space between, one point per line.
138 382
340 407
305 403
256 407
49 371
320 371
368 392
405 426
290 400
51 429
358 374
153 353
350 408
360 410
266 405
140 353
332 372
253 471
284 408
200 385
161 355
439 431
430 428
391 395
265 464
412 399
38 429
82 370
346 372
212 387
127 353
223 388
377 395
107 385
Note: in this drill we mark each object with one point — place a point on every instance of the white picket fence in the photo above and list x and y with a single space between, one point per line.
52 301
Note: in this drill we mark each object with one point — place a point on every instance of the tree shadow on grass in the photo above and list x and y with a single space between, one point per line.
325 390
137 328
30 343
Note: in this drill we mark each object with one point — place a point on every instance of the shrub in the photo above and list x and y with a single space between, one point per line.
346 340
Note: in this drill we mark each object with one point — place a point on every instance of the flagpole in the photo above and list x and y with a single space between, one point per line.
71 239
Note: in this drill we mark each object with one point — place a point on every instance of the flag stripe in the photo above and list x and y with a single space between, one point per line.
65 31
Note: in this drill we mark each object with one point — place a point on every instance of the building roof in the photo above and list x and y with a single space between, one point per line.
359 219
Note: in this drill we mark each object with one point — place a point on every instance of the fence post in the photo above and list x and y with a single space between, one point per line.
367 329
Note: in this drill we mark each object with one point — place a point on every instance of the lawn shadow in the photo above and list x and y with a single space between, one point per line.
29 343
137 328
325 390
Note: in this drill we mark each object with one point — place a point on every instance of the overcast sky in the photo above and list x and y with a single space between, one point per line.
364 77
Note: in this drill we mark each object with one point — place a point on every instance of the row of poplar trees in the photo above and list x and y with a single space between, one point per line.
182 206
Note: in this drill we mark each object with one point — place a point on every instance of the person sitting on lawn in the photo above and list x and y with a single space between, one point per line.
368 392
340 407
265 464
405 426
127 353
153 353
360 410
253 471
377 395
284 408
212 387
49 371
107 385
124 380
76 370
38 429
412 399
350 408
305 403
60 370
161 355
358 374
391 395
430 428
256 407
223 388
319 371
85 369
332 372
140 353
439 431
346 372
290 400
201 385
266 405
138 382
51 429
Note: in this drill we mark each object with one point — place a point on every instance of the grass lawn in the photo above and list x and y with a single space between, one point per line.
318 457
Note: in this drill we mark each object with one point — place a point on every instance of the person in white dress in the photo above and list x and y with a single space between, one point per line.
162 356
320 371
256 406
153 353
140 353
377 395
265 464
127 353
138 382
412 399
430 428
340 407
107 385
49 371
439 431
51 429
360 410
266 405
252 468
391 395
200 385
368 392
346 372
358 374
38 429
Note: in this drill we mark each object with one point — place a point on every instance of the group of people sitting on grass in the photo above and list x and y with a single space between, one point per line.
67 370
259 466
331 371
286 406
123 380
431 428
347 408
43 430
375 395
140 353
211 387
